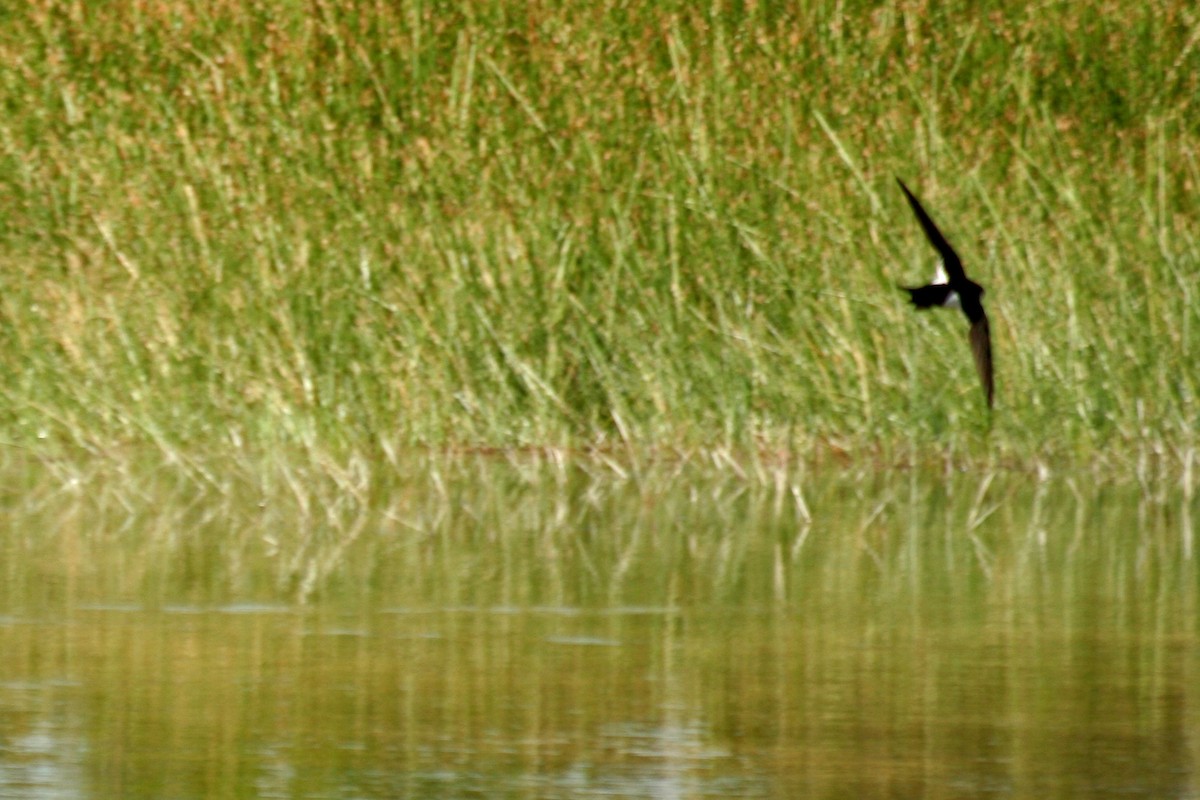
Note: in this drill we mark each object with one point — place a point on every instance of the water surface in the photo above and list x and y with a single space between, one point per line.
541 629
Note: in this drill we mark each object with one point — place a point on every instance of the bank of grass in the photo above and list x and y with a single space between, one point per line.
356 225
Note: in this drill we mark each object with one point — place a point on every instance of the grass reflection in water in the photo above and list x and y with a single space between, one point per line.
543 627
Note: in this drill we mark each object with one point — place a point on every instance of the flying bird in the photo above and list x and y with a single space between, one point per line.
953 289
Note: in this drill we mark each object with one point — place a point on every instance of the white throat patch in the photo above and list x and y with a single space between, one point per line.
940 277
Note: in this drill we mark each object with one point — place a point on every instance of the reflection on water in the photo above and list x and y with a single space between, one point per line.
488 629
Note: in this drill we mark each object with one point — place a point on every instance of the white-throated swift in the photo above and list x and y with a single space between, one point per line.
952 288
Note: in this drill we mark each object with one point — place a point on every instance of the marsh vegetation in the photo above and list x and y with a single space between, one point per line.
343 226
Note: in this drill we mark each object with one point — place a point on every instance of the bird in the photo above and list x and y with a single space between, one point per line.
952 288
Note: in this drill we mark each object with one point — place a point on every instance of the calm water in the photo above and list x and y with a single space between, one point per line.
545 631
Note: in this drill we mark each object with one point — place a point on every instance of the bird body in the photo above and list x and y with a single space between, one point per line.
952 288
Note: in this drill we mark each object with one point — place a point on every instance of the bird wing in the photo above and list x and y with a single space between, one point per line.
981 348
950 259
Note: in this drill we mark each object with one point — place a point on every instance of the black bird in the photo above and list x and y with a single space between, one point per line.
952 288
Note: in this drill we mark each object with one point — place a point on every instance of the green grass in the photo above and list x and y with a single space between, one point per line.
351 225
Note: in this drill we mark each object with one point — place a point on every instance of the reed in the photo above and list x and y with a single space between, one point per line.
346 226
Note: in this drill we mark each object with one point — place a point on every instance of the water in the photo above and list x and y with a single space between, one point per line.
541 630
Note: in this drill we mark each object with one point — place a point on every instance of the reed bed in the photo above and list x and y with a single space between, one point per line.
349 229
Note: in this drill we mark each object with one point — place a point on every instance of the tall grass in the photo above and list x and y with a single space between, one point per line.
347 224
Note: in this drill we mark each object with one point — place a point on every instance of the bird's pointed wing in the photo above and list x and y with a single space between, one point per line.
949 258
981 348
